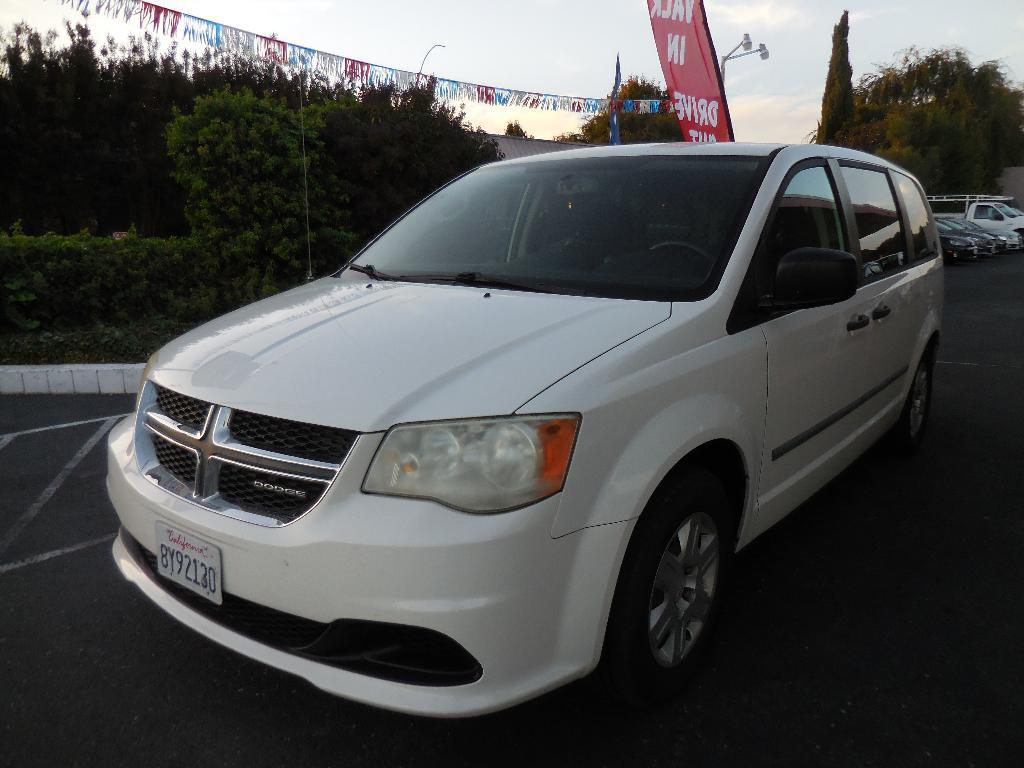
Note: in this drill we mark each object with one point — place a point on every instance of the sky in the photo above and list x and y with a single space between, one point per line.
569 48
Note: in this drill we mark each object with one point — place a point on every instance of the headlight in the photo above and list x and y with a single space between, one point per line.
145 377
479 465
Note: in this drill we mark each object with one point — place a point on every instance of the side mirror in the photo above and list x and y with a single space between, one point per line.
997 216
814 277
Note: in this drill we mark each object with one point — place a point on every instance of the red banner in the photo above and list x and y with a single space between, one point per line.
691 69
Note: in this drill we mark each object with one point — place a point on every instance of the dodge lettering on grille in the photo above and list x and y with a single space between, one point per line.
279 489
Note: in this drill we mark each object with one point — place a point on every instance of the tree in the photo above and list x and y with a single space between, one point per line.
954 124
837 101
515 129
238 157
391 148
50 101
107 137
633 127
83 126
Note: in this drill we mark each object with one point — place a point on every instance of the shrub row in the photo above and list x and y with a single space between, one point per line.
56 282
96 344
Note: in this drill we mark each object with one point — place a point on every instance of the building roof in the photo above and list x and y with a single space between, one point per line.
513 147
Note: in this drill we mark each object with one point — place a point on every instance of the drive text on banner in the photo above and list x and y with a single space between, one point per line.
691 71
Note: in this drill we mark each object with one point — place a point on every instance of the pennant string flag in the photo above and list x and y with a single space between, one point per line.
162 20
116 9
272 48
221 37
198 30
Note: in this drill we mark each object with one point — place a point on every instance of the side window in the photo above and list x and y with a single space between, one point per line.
806 216
917 216
878 223
983 212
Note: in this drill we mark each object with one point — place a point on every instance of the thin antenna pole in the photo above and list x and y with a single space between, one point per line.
305 185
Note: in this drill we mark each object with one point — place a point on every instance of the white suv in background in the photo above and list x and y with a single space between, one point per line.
524 432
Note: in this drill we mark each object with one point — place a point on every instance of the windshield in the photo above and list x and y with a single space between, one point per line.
961 225
1006 210
654 227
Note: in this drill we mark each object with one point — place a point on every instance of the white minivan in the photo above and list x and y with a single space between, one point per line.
522 434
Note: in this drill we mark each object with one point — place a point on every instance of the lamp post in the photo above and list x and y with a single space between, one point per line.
420 73
748 48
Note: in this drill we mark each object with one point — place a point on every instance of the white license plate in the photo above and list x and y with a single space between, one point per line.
189 561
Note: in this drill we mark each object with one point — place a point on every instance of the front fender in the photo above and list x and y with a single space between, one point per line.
645 407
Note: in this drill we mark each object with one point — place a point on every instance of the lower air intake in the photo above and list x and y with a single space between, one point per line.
395 652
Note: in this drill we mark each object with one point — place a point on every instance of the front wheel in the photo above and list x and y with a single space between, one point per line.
669 589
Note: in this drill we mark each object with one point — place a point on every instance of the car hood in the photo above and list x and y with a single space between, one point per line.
367 355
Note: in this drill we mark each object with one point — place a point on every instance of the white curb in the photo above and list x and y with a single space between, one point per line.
90 378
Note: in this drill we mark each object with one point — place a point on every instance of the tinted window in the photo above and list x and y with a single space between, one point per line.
983 212
878 224
644 227
917 216
807 216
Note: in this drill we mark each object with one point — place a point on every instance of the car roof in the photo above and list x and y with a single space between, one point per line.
794 152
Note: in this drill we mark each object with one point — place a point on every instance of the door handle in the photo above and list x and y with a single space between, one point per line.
858 322
881 311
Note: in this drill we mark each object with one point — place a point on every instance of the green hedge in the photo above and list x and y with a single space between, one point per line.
133 343
54 282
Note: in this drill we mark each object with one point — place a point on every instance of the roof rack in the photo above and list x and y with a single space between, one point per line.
968 198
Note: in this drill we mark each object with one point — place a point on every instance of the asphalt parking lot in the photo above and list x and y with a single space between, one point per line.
880 625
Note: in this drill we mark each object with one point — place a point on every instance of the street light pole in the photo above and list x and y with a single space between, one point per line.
420 73
746 44
748 48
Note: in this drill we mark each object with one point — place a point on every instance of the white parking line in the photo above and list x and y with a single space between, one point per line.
47 494
55 553
6 438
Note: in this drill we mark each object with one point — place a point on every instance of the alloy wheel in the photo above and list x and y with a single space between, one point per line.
684 588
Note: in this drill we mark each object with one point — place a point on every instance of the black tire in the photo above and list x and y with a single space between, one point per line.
908 433
630 668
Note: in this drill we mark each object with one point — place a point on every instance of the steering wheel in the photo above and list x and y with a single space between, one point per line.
686 260
684 246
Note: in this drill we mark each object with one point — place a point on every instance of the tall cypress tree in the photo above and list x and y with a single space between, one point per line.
837 101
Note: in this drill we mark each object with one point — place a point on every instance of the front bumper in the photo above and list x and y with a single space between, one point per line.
529 608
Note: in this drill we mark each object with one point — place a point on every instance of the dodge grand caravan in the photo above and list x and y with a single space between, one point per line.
523 433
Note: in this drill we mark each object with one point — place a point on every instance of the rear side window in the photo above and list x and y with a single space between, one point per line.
878 223
984 212
917 217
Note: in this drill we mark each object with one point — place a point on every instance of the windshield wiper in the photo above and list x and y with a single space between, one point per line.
459 278
371 271
486 281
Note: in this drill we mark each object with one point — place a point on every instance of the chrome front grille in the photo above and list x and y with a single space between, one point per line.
247 488
296 438
261 469
187 411
181 462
